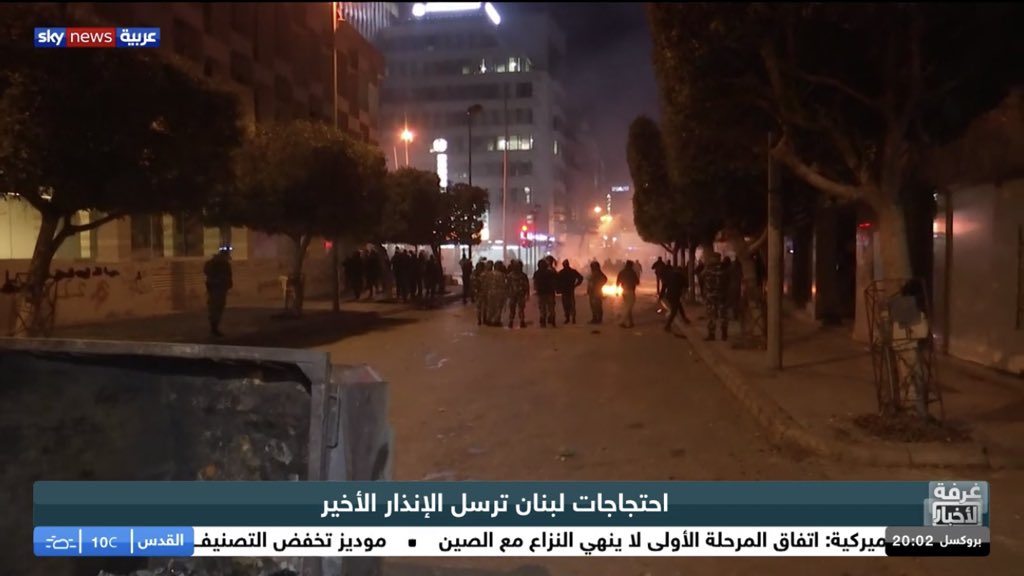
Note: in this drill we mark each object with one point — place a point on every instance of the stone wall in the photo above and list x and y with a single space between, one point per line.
98 292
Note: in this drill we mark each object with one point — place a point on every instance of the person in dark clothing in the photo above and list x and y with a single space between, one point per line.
354 275
419 271
218 283
431 278
398 269
628 279
466 266
544 281
595 292
675 285
659 268
568 280
372 267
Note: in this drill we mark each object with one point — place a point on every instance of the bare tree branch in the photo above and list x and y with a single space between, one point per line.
839 85
756 244
92 225
783 153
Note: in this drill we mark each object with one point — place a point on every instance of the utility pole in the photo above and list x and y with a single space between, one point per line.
775 263
504 187
335 249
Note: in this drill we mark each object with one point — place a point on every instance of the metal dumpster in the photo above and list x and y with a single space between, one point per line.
86 410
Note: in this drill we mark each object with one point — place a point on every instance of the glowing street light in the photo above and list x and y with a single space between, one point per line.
606 219
597 209
406 137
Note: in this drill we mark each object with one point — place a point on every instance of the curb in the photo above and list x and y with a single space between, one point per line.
782 428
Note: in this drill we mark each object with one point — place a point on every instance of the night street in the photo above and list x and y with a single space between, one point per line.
569 404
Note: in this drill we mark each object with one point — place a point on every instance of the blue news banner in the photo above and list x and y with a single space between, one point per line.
180 519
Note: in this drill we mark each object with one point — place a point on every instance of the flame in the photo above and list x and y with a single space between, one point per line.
611 290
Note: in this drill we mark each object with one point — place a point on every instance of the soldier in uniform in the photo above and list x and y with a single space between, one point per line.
544 280
480 288
497 293
218 281
518 293
714 287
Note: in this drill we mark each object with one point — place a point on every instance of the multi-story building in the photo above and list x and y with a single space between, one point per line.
277 56
483 88
368 18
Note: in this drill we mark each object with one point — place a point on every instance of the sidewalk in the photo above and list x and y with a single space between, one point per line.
257 325
827 382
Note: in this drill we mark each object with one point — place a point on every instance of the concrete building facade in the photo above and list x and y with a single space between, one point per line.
278 58
482 85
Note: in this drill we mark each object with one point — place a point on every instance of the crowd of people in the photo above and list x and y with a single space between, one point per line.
417 275
502 290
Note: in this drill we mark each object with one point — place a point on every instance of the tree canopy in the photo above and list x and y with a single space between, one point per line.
414 213
466 207
304 179
659 212
853 92
113 131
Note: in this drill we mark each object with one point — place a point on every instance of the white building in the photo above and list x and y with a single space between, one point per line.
450 58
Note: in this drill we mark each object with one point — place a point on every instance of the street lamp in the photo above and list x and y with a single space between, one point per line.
470 112
406 137
597 209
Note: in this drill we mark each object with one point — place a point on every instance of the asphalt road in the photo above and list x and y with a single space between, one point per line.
579 403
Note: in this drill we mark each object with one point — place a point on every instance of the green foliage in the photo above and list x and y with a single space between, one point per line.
659 212
303 179
111 130
852 91
414 212
466 207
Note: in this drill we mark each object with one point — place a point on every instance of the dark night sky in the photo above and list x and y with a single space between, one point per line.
610 78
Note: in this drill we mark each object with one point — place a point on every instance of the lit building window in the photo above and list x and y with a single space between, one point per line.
529 194
514 143
556 147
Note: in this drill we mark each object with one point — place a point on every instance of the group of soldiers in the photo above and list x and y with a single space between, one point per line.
495 287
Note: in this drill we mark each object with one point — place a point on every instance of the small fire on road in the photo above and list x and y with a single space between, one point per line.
611 290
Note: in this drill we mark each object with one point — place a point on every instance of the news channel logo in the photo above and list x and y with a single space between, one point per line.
956 504
59 37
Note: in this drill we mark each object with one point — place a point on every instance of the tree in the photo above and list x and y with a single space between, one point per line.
111 132
466 207
659 212
304 180
856 91
413 212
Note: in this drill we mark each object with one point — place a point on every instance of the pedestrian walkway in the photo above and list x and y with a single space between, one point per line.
255 325
827 384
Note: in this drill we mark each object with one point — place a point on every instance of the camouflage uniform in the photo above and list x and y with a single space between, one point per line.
715 278
480 291
518 293
497 292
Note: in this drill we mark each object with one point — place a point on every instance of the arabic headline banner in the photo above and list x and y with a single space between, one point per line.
484 504
228 541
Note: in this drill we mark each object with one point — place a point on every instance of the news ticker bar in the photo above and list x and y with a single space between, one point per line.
542 504
230 541
60 37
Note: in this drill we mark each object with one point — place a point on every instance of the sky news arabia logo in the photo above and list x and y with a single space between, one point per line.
97 37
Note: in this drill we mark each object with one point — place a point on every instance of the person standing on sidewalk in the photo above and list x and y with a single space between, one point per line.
568 280
544 280
218 282
628 279
675 286
714 281
595 294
